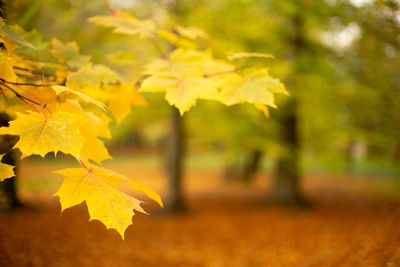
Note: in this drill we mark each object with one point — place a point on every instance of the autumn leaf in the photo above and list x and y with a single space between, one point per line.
40 135
89 80
62 89
249 55
125 23
181 93
98 188
69 54
182 78
191 32
255 88
15 33
176 40
6 68
123 58
93 148
123 97
6 171
97 123
190 75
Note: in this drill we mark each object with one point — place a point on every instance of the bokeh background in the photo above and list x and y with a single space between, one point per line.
316 184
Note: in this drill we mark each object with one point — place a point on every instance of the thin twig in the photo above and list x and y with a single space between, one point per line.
32 84
138 82
23 89
26 102
30 77
28 70
21 96
83 164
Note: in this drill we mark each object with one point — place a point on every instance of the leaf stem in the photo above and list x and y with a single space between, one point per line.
83 164
32 84
29 104
26 91
21 96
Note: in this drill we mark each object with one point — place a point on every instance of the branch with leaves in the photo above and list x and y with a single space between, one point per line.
66 104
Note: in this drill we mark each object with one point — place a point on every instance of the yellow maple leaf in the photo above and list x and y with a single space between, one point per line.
40 135
255 88
93 148
98 188
123 97
191 32
249 55
175 39
190 75
125 23
181 93
98 124
182 78
62 89
6 68
9 44
6 170
69 54
123 58
89 80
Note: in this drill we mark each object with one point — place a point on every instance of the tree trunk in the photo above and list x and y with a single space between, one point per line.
286 188
8 192
287 174
251 164
231 170
175 201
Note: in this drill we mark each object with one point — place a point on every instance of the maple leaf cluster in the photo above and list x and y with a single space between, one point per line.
187 74
65 106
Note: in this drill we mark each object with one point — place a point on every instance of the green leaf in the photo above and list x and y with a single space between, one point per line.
13 33
69 54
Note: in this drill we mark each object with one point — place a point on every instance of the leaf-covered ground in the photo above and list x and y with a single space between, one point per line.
355 221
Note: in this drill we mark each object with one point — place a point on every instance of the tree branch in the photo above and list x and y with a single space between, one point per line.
17 94
32 84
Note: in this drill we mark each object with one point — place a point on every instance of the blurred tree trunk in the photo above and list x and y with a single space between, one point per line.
395 152
251 164
8 192
242 168
286 189
231 170
174 147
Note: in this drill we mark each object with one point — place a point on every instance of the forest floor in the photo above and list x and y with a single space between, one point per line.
354 221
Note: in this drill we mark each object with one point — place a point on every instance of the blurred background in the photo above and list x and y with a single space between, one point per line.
315 184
